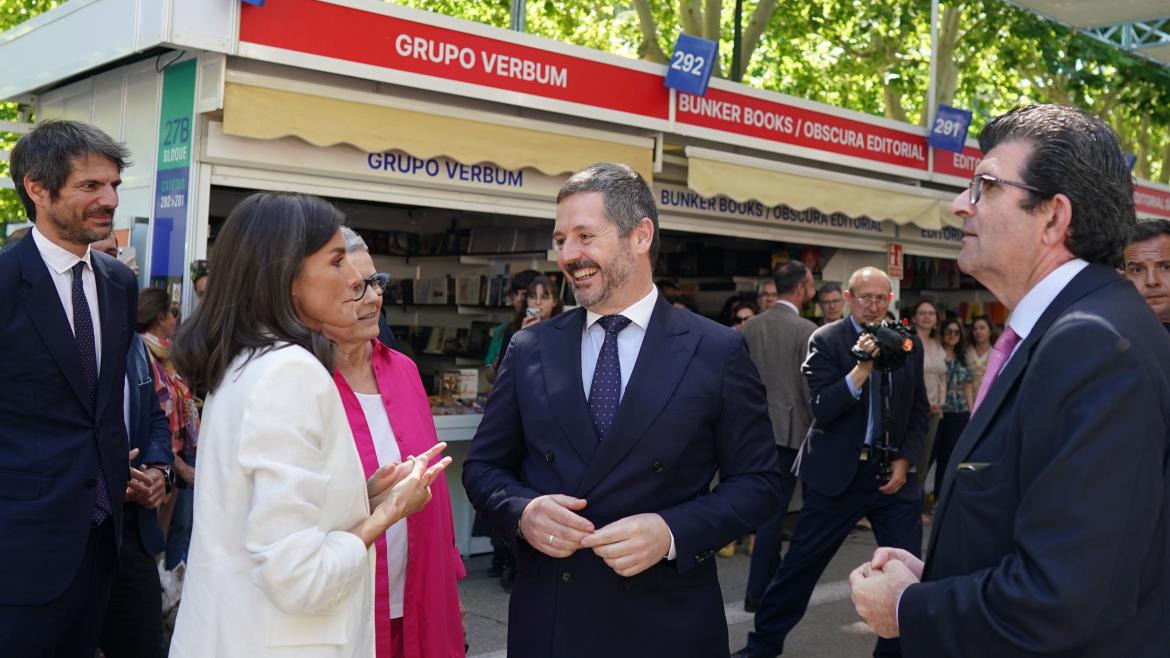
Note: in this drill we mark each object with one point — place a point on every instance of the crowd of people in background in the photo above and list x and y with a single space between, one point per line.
274 455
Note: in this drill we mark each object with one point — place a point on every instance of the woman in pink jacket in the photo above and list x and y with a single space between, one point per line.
416 603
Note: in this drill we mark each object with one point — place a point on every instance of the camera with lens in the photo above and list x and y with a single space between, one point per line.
894 345
893 341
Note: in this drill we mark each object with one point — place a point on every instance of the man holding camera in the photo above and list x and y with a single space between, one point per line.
840 461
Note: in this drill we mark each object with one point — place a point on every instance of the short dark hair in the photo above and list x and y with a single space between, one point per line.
152 303
1149 230
789 276
45 154
248 304
625 195
1078 155
828 288
520 280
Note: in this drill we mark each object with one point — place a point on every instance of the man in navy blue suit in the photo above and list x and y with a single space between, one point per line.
66 321
599 442
838 466
1051 532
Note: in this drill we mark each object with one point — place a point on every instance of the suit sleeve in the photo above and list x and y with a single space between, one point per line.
914 442
824 371
491 472
749 471
1093 445
302 566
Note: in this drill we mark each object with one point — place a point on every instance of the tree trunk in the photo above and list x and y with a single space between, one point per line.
1164 176
690 15
946 66
712 13
649 49
1141 168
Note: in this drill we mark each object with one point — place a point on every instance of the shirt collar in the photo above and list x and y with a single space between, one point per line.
639 312
789 305
1037 300
56 258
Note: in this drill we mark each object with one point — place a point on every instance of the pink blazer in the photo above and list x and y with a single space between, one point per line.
431 625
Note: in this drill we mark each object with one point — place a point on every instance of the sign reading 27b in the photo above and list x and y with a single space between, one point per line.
691 64
949 130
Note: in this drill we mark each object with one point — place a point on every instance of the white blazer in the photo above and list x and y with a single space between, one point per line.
272 569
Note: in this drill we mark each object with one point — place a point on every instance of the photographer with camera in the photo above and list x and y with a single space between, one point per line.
855 460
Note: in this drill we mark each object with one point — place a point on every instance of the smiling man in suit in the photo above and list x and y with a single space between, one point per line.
66 320
598 445
1050 536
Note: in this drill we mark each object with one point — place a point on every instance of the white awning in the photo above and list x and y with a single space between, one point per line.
1095 13
744 178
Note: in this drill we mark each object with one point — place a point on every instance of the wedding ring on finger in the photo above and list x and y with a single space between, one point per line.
551 539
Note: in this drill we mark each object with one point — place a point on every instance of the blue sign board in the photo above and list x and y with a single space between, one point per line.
949 130
258 3
690 65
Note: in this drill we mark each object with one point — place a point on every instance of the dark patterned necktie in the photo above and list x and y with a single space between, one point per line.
606 390
83 332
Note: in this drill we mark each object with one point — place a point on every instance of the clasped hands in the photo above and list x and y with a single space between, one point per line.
877 586
631 545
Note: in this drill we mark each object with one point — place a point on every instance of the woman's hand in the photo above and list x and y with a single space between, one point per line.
529 320
407 495
184 470
384 479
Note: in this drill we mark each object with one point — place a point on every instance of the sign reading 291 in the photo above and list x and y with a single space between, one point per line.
691 64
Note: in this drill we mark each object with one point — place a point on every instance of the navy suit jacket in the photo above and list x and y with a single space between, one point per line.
53 438
694 405
1050 536
150 432
830 455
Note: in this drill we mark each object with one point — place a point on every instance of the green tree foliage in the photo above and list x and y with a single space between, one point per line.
13 12
873 56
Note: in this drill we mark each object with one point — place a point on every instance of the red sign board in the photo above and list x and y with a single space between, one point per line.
960 165
413 46
894 261
1151 200
795 125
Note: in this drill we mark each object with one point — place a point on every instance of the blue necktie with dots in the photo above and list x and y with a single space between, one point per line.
606 390
86 345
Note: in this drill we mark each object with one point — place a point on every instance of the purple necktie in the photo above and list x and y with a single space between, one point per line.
1003 348
606 390
83 332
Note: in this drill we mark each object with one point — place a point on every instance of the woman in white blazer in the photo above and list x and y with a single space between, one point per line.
279 563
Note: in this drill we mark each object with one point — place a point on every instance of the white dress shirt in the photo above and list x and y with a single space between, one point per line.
387 450
629 341
1037 300
59 263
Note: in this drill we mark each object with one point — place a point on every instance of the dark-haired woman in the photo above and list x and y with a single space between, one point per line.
284 517
416 600
543 301
157 318
979 349
960 397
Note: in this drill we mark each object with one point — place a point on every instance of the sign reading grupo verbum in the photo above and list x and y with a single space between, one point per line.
458 57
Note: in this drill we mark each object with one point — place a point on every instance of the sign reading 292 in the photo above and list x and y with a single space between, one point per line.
691 64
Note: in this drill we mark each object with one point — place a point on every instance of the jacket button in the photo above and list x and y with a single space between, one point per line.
90 484
624 584
658 466
548 455
567 576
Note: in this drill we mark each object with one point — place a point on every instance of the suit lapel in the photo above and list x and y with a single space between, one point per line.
665 354
560 359
43 305
1089 279
111 309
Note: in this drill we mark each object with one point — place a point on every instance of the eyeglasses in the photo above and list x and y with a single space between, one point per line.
379 282
867 299
739 320
768 295
975 189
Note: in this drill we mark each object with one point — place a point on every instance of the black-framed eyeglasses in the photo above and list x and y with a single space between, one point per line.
379 282
975 189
